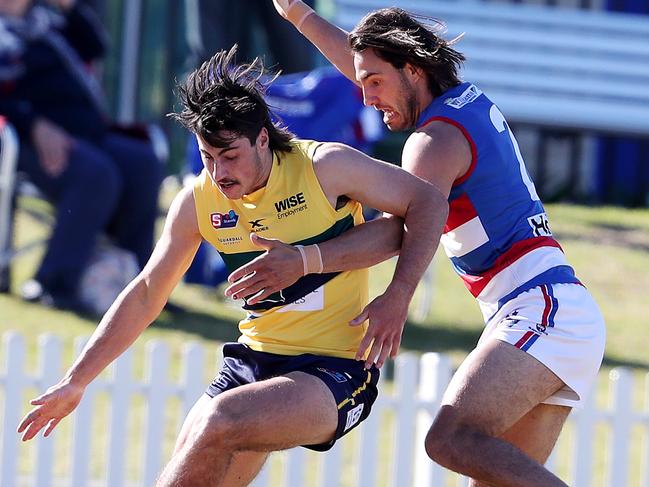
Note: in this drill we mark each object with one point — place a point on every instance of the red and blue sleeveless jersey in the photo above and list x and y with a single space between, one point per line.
497 233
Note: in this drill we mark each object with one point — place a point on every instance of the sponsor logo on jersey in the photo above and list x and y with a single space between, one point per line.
291 205
469 95
257 225
224 220
540 328
338 376
354 416
540 225
230 240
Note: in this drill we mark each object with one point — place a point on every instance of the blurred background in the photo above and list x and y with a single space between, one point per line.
571 77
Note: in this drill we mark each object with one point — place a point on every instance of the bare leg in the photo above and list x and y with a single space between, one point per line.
244 466
270 415
535 433
495 388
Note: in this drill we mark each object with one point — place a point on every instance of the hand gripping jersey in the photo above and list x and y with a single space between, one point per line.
312 315
497 234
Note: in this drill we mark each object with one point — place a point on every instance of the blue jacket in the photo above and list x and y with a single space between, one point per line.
44 61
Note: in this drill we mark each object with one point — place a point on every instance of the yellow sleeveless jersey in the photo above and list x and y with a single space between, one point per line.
312 315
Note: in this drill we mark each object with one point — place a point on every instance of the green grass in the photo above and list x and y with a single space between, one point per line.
609 248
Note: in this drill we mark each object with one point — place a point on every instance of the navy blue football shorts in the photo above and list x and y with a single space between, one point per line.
353 387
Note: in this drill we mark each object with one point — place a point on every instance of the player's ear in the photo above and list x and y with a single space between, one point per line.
415 72
263 138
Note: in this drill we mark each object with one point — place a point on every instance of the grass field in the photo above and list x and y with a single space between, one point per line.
609 248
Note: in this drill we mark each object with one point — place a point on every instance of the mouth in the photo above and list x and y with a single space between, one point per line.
226 184
388 115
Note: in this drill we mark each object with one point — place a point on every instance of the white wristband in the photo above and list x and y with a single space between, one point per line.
298 12
311 259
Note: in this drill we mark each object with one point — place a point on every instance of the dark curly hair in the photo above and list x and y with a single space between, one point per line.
222 101
400 37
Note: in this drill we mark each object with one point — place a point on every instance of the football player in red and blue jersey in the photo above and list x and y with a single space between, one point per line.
544 337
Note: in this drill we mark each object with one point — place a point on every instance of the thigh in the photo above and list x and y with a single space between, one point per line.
561 326
274 414
495 387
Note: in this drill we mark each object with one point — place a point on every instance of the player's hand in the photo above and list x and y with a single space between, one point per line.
277 268
283 6
53 146
51 407
295 11
387 316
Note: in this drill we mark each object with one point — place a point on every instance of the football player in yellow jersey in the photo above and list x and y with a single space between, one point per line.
263 400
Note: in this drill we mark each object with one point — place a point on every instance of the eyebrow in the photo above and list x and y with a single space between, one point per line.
226 149
221 152
365 76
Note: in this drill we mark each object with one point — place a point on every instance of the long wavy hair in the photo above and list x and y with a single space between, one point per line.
400 37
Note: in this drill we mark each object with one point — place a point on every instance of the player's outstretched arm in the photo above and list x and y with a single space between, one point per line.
330 40
135 308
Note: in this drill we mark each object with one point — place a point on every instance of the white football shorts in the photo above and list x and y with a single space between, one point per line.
562 327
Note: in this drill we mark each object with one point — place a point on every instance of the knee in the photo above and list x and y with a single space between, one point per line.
218 426
448 439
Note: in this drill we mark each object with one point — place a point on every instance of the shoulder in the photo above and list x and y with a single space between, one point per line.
182 212
439 152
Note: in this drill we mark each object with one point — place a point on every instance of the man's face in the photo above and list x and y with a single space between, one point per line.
239 168
387 89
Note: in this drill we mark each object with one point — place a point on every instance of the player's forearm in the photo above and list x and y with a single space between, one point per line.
331 41
363 246
423 226
126 319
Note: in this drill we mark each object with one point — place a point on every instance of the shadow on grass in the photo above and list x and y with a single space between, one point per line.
417 337
440 337
618 362
205 325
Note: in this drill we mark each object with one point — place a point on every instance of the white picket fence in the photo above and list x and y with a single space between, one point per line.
415 395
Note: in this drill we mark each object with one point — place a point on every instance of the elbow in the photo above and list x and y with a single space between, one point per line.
437 204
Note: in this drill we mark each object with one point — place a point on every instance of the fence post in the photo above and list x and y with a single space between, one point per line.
405 392
645 464
157 359
49 348
121 391
331 466
193 364
621 423
435 374
294 473
585 421
14 346
81 429
368 444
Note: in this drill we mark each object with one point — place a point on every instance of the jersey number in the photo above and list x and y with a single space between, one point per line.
499 122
